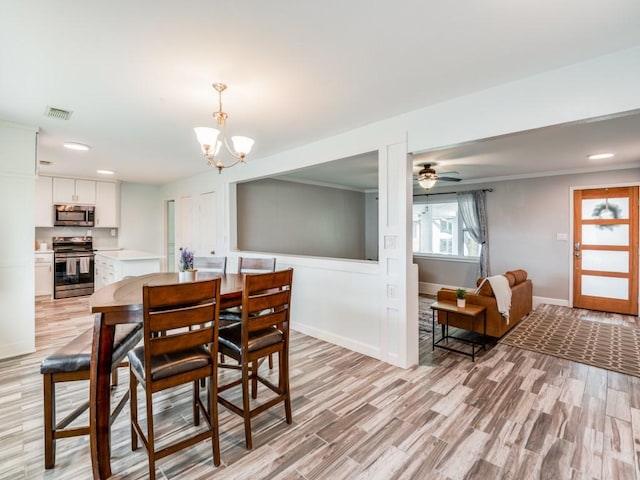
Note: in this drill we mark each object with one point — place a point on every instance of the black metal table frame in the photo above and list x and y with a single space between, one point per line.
446 336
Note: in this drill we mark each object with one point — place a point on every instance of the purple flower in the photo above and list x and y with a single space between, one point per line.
186 259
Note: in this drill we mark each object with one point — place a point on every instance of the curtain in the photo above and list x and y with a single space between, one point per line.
472 207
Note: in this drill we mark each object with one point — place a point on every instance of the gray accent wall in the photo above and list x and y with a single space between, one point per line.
300 219
525 218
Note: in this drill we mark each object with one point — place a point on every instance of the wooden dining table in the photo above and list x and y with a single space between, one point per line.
120 303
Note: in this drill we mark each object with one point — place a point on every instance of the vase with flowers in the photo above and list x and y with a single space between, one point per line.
185 264
461 297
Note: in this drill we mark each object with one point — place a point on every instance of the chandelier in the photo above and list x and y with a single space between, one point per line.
209 137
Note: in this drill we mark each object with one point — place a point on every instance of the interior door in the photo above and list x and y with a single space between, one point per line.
605 249
208 225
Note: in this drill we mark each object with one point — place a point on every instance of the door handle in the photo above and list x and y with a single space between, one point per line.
576 246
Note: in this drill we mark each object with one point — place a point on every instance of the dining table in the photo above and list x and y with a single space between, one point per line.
121 303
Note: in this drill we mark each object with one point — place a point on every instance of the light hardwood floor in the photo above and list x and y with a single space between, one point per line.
512 414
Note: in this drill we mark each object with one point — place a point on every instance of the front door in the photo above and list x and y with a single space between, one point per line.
605 249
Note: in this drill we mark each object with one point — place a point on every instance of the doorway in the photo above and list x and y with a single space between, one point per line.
605 249
170 247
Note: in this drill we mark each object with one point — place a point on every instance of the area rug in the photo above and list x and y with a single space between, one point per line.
603 345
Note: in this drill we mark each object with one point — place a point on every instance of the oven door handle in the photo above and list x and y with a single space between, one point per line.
66 256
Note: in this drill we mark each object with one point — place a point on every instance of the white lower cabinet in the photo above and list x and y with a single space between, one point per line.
44 274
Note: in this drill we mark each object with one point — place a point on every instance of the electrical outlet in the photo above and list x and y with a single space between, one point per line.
88 233
113 232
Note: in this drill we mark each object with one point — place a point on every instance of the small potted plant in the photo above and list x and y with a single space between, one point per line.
461 296
185 264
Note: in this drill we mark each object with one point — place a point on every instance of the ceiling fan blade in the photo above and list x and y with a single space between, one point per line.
448 179
449 172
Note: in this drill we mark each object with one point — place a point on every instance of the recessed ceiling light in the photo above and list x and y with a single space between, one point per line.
600 156
105 172
76 146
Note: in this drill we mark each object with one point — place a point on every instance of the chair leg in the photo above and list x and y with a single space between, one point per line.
212 394
283 363
133 408
255 366
49 421
245 405
196 406
271 361
151 451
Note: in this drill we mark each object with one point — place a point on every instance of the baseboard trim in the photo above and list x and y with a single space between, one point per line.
341 341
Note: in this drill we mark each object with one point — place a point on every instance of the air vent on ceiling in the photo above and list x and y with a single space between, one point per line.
45 162
59 113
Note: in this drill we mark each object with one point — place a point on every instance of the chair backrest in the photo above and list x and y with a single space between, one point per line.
266 301
254 265
169 311
211 264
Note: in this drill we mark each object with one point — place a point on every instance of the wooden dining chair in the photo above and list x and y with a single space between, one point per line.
181 355
256 265
211 264
262 331
247 265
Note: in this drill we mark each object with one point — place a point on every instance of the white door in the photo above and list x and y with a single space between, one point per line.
207 225
184 236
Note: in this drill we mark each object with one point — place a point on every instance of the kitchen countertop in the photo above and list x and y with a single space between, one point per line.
129 255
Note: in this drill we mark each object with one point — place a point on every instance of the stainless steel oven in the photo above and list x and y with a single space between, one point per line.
74 266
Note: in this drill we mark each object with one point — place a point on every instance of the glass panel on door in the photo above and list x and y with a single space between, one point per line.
596 235
611 287
605 261
605 208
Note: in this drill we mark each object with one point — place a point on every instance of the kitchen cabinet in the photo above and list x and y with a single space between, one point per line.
44 203
70 190
44 273
106 205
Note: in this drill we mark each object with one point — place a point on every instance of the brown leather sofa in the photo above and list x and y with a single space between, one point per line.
497 326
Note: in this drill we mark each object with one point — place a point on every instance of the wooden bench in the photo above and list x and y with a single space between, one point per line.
71 363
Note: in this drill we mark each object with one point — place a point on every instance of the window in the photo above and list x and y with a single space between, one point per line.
437 229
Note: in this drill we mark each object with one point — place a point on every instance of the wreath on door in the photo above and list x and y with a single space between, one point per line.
606 211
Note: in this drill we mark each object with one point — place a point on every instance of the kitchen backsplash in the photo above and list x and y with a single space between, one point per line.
102 237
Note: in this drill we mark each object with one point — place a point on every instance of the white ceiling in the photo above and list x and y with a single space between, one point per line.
137 74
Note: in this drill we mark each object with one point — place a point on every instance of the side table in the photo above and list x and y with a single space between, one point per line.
475 312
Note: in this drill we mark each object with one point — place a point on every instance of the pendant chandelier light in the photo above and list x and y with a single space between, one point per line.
210 142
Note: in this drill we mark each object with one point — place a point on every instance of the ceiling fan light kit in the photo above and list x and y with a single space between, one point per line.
427 177
209 137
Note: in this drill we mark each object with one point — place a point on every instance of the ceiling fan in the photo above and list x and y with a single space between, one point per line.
427 176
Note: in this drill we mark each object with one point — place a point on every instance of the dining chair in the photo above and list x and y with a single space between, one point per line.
255 265
247 265
181 355
211 264
71 363
262 331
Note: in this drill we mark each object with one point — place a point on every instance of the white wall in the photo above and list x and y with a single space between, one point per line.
381 299
17 269
141 218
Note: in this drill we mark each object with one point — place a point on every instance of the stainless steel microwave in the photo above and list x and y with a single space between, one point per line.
74 215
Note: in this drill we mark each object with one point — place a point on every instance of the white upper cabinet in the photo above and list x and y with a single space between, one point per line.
44 204
106 205
69 190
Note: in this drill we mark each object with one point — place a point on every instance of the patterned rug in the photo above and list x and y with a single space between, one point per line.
603 345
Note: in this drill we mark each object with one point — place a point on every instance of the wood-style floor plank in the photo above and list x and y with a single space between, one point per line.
512 414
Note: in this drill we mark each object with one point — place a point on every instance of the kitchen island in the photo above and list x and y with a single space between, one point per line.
115 265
